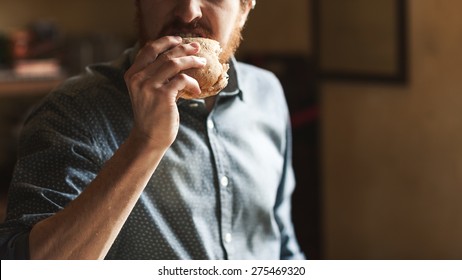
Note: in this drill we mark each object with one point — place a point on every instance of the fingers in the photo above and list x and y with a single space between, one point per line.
154 81
183 82
181 50
165 48
149 52
160 62
171 67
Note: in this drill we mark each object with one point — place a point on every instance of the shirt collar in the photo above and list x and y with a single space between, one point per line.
233 87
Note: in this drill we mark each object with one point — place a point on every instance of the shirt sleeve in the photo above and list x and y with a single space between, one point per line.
14 246
57 158
282 210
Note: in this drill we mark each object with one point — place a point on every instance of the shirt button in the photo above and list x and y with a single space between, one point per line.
210 124
228 238
224 181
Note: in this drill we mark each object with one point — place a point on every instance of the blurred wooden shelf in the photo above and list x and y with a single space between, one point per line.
28 86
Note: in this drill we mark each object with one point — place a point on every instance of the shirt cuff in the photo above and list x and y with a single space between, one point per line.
17 248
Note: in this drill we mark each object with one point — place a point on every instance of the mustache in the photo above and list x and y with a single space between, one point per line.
177 27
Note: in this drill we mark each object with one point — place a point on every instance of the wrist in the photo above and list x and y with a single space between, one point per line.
144 143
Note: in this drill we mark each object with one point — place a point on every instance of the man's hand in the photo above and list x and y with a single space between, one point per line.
154 80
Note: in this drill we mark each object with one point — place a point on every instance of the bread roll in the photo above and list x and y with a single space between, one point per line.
213 77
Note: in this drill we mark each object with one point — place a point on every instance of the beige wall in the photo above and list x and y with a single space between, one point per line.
274 26
392 155
277 26
74 17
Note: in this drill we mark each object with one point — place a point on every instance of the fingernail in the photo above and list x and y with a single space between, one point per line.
195 45
202 60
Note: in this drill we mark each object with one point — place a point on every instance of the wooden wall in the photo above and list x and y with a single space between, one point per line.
392 158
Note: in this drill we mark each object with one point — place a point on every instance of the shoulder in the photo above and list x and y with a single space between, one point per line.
99 82
262 87
84 104
100 86
251 74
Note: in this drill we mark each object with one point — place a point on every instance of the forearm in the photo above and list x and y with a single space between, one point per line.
88 226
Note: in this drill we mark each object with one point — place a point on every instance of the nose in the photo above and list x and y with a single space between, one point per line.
189 11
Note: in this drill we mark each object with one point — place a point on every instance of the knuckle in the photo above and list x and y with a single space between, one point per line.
173 63
183 77
135 78
128 76
170 39
162 91
184 47
151 47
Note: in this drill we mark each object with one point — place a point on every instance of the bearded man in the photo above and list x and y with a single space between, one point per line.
115 164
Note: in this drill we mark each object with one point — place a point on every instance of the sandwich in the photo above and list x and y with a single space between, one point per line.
213 77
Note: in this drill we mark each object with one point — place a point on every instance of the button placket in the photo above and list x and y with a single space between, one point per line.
228 237
223 182
210 124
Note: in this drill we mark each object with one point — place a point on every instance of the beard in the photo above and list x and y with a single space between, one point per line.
233 44
175 27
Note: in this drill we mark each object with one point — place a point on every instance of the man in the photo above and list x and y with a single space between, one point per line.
111 166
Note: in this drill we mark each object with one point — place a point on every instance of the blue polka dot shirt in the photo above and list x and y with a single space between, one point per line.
222 191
